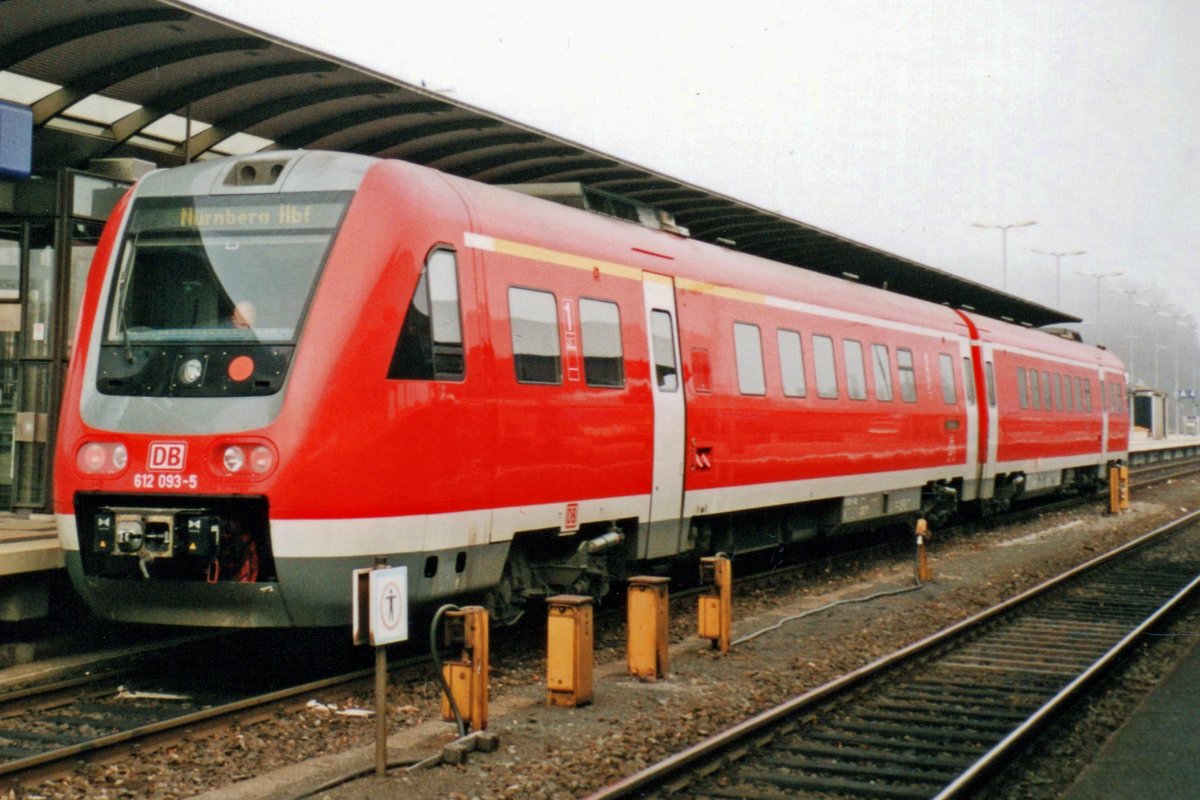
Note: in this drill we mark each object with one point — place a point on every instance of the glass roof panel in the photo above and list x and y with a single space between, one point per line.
25 91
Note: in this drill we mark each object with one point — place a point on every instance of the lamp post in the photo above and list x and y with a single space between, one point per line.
1158 311
1180 321
1099 276
1129 295
1004 228
1058 257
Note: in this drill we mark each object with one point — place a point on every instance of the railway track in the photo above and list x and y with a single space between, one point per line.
932 720
47 725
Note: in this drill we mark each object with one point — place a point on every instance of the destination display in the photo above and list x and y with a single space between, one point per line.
233 214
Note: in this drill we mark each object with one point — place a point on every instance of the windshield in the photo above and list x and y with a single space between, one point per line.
237 268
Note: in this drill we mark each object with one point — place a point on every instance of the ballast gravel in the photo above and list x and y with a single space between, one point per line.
309 749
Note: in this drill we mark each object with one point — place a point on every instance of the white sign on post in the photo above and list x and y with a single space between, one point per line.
380 606
388 589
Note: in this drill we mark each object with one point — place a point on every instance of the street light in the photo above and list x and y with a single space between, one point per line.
1058 256
1129 295
1157 308
1180 321
1099 276
1004 228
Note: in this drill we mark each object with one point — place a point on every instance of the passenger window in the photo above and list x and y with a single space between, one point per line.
826 367
989 377
969 380
791 364
908 375
1087 394
1078 395
536 354
1035 393
603 356
430 346
856 372
1068 398
662 334
1022 388
1058 392
747 343
1046 402
881 368
946 373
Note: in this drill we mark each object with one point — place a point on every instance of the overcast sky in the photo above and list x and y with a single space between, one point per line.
897 124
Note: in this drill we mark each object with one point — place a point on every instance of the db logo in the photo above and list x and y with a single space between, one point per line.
167 456
571 518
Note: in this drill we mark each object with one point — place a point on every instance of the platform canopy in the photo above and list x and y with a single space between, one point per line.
164 82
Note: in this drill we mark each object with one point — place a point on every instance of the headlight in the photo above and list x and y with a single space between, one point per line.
191 371
102 458
247 459
262 460
234 458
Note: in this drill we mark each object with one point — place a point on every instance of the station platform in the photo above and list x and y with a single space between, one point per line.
1155 755
1145 450
29 553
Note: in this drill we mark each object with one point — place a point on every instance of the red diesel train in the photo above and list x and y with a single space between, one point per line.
290 364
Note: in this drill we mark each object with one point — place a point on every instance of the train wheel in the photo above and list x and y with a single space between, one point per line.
506 601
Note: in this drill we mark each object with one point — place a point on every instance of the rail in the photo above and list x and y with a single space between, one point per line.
933 718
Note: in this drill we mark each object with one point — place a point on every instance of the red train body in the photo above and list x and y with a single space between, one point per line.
509 396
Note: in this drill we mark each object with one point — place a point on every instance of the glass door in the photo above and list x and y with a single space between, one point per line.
11 249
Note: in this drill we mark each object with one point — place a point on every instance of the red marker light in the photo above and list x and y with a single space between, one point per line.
241 368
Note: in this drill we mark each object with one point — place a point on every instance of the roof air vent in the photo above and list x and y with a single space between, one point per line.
599 201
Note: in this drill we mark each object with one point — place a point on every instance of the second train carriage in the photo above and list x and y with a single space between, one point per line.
293 363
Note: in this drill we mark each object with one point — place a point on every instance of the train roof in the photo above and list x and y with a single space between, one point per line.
246 90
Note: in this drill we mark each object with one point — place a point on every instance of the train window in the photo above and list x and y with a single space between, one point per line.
826 367
856 372
536 354
1057 392
662 333
908 375
989 377
1078 395
1087 394
430 346
946 373
1068 399
1035 392
791 364
603 358
1022 388
747 343
881 368
197 270
1046 402
969 380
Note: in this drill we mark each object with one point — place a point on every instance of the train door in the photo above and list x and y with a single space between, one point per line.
990 435
972 405
666 497
1101 397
